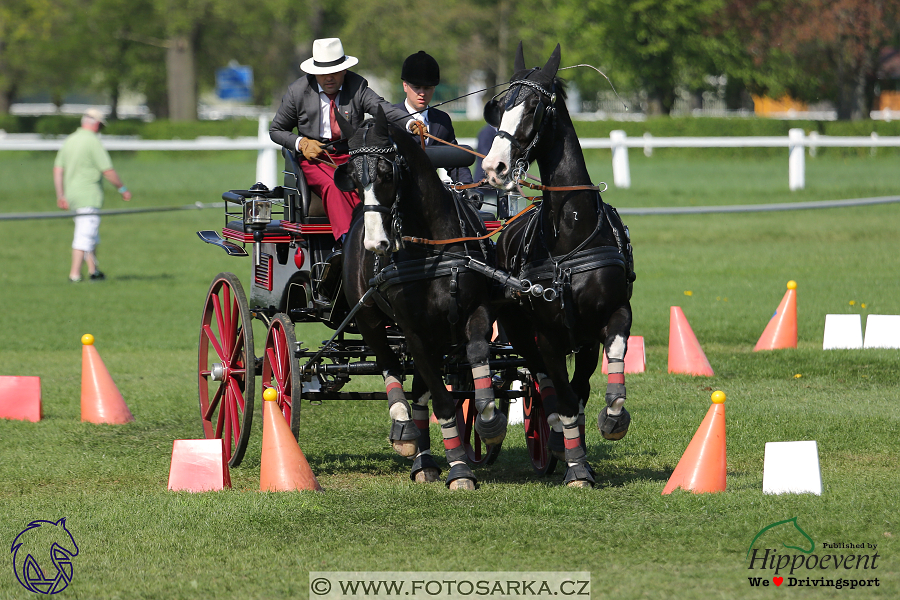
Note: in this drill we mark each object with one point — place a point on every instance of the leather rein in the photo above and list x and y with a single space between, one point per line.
519 181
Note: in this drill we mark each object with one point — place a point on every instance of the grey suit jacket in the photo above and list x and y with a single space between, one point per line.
300 109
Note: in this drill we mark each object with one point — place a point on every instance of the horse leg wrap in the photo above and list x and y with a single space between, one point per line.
420 419
548 394
460 470
453 448
579 472
490 424
402 427
572 439
549 400
581 425
614 420
423 461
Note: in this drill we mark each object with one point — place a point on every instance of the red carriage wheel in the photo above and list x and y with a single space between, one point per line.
280 369
477 451
537 431
227 366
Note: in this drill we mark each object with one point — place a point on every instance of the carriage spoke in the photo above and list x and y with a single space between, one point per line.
214 402
234 357
236 393
235 422
220 321
217 348
220 420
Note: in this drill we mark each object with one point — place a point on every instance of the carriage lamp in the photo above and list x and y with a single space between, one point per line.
257 215
508 205
258 208
512 200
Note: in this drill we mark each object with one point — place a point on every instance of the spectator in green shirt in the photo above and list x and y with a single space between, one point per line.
78 172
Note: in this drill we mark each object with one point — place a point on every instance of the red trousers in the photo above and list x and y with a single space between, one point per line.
338 205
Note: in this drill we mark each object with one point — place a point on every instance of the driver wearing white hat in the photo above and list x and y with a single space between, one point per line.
309 106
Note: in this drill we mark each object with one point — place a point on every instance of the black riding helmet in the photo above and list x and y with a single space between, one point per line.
420 69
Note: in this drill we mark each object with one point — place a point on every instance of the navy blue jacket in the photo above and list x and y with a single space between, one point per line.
440 126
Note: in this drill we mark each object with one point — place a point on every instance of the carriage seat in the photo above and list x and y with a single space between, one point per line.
303 206
448 157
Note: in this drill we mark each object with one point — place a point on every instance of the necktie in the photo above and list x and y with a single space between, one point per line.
421 117
332 113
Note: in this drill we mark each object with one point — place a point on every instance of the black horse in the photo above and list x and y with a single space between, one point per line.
575 246
427 290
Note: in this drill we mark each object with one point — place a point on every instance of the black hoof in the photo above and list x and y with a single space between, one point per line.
461 473
613 427
580 475
493 431
422 464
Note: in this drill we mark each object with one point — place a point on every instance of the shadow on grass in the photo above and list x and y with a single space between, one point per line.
142 277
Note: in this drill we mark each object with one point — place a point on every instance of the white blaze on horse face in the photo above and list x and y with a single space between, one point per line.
497 164
376 239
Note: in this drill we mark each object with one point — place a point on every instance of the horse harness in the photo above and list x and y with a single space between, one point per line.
558 271
437 265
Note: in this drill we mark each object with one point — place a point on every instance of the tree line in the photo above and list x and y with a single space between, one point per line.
812 50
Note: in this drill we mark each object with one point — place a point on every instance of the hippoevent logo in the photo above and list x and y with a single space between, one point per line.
42 556
853 567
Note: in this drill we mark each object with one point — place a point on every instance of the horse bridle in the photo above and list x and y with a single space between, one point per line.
543 114
398 164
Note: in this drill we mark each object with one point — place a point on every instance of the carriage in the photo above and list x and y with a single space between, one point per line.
295 277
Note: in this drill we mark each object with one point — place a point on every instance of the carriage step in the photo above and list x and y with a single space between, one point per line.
212 237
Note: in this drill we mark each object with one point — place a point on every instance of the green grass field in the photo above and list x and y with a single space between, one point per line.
726 271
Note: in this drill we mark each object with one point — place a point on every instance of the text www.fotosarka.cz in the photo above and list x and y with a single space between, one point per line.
447 585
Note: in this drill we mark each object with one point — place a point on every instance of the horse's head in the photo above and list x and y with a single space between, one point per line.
374 170
521 114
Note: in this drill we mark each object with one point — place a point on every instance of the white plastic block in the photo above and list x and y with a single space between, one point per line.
516 413
842 331
792 468
882 331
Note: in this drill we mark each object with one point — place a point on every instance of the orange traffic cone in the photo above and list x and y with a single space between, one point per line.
781 332
702 466
101 401
283 468
685 354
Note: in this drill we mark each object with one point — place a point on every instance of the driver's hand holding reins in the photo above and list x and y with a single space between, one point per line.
310 148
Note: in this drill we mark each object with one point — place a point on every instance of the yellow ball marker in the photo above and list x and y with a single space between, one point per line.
792 285
270 395
718 397
87 339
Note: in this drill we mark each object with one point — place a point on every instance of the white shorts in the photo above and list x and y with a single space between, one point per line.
87 229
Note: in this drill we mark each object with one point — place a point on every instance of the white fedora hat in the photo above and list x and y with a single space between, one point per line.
328 57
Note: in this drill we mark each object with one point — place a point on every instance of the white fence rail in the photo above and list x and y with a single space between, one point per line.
268 152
